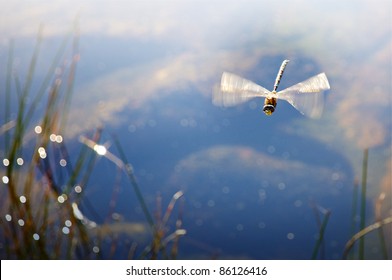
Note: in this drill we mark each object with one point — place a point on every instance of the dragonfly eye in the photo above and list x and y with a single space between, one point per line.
268 109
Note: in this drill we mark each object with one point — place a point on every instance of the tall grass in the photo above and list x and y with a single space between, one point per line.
364 230
34 205
41 200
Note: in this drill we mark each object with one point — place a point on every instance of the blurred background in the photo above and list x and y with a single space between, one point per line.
254 186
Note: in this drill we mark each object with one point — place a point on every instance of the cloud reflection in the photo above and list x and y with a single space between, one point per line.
127 89
263 171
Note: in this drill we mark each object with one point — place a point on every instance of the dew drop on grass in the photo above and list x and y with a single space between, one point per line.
65 230
59 139
38 129
22 199
52 137
6 162
5 179
96 249
100 149
62 198
78 189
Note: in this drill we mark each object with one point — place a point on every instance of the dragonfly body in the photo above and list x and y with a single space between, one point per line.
306 96
270 102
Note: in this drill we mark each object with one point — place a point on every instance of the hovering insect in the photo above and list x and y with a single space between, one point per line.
306 96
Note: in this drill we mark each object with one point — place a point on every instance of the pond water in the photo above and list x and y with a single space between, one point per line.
254 186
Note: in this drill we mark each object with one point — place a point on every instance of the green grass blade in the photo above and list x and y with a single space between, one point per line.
363 232
320 239
361 251
129 171
7 103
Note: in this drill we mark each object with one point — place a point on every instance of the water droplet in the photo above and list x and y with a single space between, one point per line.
21 222
6 162
59 139
42 152
36 236
68 223
100 149
78 189
62 198
290 236
38 129
63 162
22 199
96 249
52 137
8 217
19 161
5 179
65 230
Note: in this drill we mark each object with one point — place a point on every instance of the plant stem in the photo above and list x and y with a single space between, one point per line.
354 210
363 203
363 232
321 235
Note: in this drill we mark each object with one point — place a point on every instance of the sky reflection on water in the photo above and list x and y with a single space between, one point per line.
146 74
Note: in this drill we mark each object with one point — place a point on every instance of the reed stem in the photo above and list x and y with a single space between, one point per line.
363 203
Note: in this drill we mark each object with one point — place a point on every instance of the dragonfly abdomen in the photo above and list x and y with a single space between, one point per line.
280 74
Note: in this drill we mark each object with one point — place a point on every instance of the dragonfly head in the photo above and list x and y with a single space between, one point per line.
268 109
269 105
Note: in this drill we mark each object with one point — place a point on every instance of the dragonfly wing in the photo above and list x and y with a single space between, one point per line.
307 96
235 90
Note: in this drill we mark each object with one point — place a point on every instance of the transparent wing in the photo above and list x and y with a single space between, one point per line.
235 90
307 96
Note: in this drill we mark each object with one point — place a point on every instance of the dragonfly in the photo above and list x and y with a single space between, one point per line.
307 96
